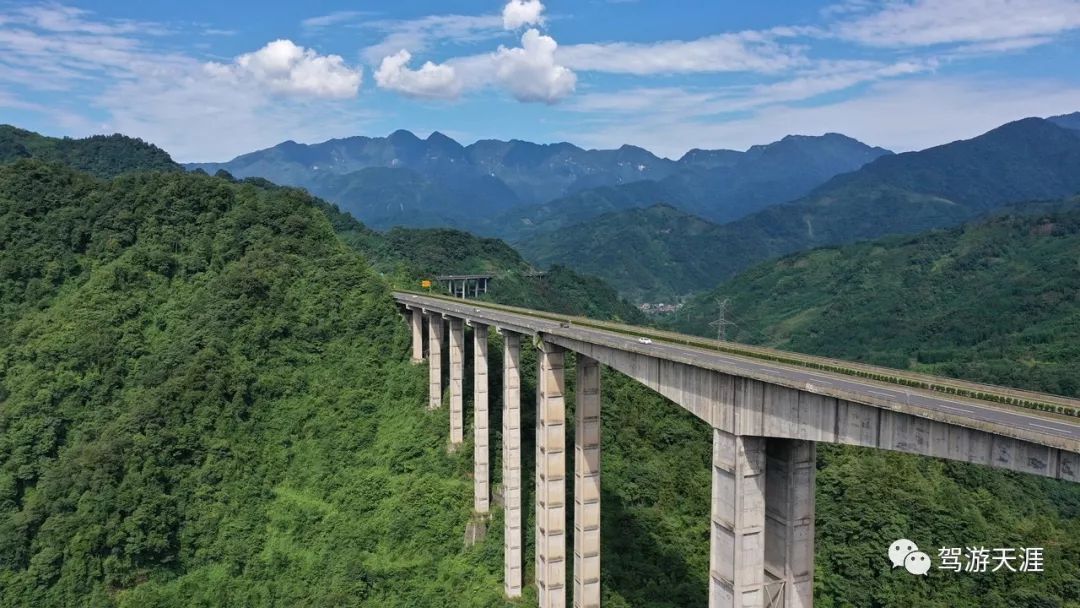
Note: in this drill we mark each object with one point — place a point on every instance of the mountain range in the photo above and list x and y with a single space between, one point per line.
508 188
662 251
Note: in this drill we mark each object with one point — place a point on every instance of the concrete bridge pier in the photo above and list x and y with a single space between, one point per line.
435 337
457 373
790 471
551 477
511 464
587 484
417 320
481 495
737 547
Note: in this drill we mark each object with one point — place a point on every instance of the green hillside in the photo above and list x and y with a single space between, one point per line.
205 400
101 155
653 254
908 193
991 301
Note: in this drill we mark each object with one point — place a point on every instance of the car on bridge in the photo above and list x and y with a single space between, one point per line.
644 340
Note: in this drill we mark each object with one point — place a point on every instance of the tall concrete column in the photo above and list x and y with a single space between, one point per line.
587 484
511 463
481 491
417 319
457 373
737 552
551 478
435 337
791 468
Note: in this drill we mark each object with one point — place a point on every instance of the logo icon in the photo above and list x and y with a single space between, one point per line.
905 553
899 550
917 563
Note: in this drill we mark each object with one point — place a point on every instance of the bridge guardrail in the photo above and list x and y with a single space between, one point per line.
961 388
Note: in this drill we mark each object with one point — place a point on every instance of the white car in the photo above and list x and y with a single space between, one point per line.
644 340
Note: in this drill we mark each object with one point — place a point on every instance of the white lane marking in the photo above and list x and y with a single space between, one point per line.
882 394
1049 428
958 409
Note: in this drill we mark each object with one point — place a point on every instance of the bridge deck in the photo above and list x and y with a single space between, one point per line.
1031 425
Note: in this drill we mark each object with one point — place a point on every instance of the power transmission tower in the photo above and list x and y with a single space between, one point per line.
721 323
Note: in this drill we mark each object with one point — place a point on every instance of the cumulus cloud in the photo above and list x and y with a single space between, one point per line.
431 80
531 73
518 13
284 67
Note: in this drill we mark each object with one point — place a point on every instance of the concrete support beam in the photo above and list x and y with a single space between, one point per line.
551 478
790 466
457 373
511 463
416 317
587 484
435 338
737 551
481 461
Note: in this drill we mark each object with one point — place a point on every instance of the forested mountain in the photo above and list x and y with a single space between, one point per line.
994 301
653 254
100 155
205 400
436 182
717 185
906 193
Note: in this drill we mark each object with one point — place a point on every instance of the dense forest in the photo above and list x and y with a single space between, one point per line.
205 400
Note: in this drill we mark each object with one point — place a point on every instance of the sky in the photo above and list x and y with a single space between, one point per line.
208 80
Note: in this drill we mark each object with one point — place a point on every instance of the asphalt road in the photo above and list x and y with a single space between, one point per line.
1034 421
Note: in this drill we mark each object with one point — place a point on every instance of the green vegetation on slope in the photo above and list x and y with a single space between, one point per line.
996 301
101 155
204 401
1030 159
991 301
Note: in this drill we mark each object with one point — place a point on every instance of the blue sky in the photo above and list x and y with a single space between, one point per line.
210 80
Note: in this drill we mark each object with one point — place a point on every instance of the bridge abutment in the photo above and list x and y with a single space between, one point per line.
511 464
457 373
435 336
587 484
481 435
551 477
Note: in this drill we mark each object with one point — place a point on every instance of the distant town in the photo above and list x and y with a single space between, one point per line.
660 308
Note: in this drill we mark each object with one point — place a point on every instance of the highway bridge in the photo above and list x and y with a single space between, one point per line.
766 419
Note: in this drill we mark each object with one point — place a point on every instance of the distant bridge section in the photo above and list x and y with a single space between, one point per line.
766 417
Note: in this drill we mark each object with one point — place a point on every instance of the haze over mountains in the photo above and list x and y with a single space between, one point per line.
512 188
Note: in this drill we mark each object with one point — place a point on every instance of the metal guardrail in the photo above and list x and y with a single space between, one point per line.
983 392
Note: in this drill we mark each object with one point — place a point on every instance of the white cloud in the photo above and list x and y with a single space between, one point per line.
419 35
431 80
531 73
284 67
932 22
737 52
908 115
518 13
334 18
